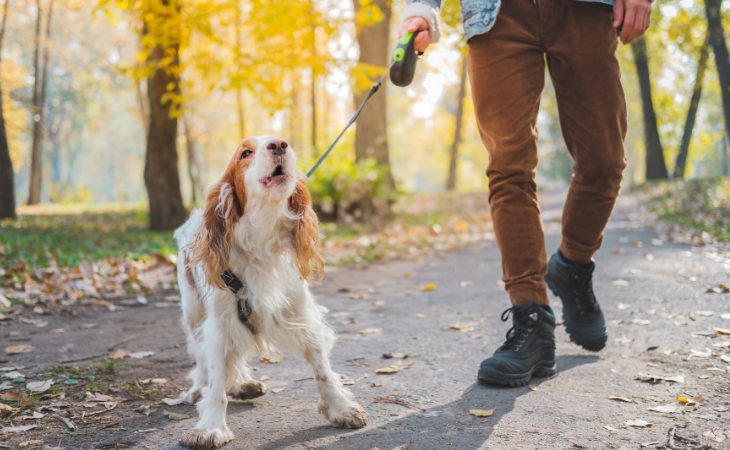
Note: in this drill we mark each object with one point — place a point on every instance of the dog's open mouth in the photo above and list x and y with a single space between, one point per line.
276 178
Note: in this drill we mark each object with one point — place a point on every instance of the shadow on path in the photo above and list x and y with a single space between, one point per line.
437 427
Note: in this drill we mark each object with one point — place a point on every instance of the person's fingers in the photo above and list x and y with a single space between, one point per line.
618 13
401 29
422 41
628 28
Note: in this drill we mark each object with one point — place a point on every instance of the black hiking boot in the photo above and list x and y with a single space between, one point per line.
582 314
529 350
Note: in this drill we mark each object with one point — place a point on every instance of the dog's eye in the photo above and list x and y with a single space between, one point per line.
246 154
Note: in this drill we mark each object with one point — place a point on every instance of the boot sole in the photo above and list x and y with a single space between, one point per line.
593 345
543 369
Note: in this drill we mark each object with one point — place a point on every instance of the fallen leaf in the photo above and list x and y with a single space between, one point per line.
481 412
623 306
610 428
420 316
7 410
13 374
144 409
172 401
70 382
428 287
641 322
725 358
27 443
621 399
175 416
620 283
638 423
141 355
378 303
657 242
121 354
462 328
358 296
658 378
397 355
707 353
347 381
271 359
277 390
13 396
725 316
16 349
154 381
705 313
617 250
532 387
98 397
722 331
637 244
686 401
264 378
39 386
672 408
18 429
466 283
370 330
387 370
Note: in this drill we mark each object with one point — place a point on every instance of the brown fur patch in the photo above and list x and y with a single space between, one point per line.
306 233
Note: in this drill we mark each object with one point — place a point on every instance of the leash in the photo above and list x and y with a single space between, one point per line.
402 69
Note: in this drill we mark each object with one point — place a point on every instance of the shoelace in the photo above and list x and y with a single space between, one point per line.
517 335
583 291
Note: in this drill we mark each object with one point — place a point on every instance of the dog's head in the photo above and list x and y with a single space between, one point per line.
262 171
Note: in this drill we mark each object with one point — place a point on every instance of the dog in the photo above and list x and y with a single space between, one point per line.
257 223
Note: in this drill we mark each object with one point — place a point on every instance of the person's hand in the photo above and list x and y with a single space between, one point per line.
635 15
416 24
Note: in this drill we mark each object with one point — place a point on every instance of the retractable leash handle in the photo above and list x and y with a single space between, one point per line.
405 57
402 68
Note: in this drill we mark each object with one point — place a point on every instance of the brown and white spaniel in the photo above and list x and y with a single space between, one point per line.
258 223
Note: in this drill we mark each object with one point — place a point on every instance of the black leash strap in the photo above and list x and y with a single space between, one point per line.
373 90
244 306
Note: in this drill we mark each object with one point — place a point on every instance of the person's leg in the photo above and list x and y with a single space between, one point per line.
581 44
507 74
585 71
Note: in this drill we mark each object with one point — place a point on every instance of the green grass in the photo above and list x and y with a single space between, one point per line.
37 240
701 206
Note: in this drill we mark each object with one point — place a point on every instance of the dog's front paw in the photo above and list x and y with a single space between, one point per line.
344 414
249 390
201 439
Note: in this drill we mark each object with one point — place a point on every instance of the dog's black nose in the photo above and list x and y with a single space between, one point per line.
277 147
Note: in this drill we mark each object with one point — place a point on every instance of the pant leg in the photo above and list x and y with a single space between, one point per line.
507 75
581 46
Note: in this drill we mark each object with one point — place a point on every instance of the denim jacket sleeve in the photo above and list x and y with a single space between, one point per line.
428 10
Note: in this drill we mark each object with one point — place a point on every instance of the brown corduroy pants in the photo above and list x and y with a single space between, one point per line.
507 72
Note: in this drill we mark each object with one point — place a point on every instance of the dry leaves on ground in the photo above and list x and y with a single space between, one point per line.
481 412
271 358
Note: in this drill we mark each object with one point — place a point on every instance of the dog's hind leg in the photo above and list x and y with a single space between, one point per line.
193 316
245 387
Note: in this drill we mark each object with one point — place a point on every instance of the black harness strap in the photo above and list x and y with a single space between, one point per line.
244 307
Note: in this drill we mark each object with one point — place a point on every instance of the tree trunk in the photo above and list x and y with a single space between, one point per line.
314 111
451 183
193 166
7 182
719 48
725 157
656 168
295 129
694 104
34 188
371 138
161 177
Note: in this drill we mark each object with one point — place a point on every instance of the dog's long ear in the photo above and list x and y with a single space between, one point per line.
212 245
306 233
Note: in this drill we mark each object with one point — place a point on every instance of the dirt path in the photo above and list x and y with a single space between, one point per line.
651 304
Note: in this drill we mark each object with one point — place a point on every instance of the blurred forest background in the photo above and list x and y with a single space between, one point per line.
133 107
